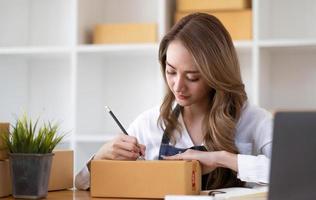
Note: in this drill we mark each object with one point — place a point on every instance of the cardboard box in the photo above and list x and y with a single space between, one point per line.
61 175
144 179
124 33
206 5
4 129
5 179
237 22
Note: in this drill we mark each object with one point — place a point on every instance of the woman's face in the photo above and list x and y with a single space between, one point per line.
183 78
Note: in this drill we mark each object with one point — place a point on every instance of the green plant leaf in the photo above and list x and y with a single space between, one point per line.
24 137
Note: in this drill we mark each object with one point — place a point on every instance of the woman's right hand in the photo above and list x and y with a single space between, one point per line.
123 147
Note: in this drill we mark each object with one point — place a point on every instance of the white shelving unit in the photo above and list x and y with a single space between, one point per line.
49 68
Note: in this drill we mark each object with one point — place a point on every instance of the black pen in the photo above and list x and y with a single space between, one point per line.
121 126
116 120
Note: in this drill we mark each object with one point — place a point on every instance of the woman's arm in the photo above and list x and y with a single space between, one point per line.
208 160
255 168
249 168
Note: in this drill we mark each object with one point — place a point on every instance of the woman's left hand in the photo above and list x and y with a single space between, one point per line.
208 160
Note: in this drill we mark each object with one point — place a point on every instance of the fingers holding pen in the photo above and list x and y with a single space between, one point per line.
122 147
142 149
126 147
122 154
129 139
134 144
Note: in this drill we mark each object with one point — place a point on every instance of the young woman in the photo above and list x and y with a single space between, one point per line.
205 114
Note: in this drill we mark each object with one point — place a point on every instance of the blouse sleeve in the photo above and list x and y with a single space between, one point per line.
253 168
256 168
82 180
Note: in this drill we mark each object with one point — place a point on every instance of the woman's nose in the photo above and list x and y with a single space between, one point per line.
179 84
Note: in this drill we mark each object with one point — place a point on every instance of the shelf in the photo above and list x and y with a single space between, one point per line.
242 45
119 48
34 50
284 43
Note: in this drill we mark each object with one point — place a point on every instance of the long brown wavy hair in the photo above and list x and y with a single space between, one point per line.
212 49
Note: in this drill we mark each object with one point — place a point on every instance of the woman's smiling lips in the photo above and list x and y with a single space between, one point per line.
182 97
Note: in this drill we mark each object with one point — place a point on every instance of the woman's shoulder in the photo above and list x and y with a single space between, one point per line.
253 112
255 127
252 117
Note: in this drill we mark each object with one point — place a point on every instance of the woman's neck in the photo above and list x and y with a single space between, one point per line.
195 111
193 117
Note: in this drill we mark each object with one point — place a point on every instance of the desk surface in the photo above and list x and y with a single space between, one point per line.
70 195
85 195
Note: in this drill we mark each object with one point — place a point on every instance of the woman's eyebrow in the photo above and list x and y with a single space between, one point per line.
170 65
187 71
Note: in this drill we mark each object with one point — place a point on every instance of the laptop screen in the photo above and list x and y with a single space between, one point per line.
293 162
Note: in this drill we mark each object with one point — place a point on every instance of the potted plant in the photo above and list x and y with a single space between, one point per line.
30 154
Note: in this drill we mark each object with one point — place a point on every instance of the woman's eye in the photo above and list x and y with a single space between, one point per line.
193 79
170 72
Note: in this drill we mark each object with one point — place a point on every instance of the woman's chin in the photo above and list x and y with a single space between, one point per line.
183 103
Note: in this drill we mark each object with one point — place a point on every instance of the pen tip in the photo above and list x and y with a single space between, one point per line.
107 109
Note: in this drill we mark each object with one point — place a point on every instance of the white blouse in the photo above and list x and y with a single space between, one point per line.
253 139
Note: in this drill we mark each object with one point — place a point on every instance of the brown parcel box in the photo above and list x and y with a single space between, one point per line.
144 179
4 128
203 5
237 22
125 33
61 175
5 179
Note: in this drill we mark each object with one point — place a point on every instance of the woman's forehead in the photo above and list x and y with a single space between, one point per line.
178 56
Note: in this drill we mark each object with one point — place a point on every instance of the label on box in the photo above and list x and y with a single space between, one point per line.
194 168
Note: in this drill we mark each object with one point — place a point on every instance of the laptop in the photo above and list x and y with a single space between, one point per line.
293 162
